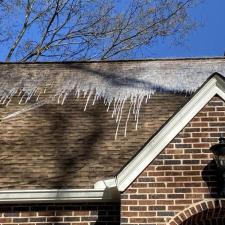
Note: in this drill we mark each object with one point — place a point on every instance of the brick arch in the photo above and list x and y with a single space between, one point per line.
213 209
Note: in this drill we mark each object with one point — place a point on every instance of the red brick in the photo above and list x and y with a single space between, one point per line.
200 134
146 190
216 114
201 145
146 202
212 129
208 119
200 124
147 214
138 208
67 213
129 202
178 169
5 220
129 214
138 220
80 223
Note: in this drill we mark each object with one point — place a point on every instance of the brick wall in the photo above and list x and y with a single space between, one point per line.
181 176
67 214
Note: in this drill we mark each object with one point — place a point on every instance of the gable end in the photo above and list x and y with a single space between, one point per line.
215 85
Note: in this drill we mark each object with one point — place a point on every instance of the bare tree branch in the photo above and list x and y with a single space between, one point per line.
140 32
90 29
22 32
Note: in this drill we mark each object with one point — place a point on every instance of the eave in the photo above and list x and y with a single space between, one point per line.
104 191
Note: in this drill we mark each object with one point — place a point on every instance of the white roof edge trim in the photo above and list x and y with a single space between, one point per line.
214 86
55 195
103 184
104 191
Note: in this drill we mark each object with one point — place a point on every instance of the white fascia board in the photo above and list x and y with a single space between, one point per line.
55 195
214 86
104 184
104 191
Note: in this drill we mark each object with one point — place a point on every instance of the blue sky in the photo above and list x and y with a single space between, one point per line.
207 40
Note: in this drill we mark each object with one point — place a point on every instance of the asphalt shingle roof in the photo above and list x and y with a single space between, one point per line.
61 146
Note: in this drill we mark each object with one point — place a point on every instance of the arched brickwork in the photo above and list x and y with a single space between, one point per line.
202 213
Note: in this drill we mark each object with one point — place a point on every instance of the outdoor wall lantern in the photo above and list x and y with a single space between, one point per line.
219 157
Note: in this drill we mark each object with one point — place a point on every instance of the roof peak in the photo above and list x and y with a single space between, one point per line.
215 85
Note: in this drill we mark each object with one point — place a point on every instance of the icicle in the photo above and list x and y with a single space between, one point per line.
29 97
59 98
85 93
146 99
35 92
98 98
78 94
134 109
137 112
134 106
95 98
45 90
108 106
8 102
7 99
90 93
118 122
64 98
20 93
26 109
21 99
118 111
4 100
114 108
128 116
37 98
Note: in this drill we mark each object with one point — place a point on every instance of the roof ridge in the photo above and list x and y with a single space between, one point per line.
123 60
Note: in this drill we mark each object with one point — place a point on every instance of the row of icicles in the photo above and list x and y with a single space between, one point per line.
116 103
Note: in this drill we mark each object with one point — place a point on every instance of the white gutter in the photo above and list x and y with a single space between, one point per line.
100 193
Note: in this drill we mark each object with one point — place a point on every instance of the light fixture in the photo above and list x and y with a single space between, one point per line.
219 157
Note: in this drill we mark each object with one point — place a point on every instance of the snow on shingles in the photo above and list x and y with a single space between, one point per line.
114 82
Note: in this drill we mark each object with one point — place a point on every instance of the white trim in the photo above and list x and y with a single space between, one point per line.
104 191
103 184
214 86
55 195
